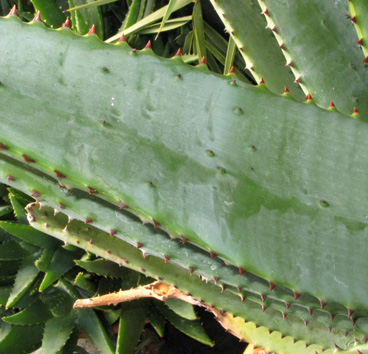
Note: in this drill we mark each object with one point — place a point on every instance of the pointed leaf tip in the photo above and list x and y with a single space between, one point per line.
122 39
13 11
148 45
92 30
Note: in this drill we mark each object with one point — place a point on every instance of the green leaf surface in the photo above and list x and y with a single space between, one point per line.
43 263
11 250
50 12
4 294
5 210
18 208
182 309
57 332
168 12
26 275
104 268
91 5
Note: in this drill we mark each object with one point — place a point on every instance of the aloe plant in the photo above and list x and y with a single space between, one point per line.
262 190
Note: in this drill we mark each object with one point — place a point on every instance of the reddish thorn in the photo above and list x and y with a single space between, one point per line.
148 45
222 288
336 347
133 51
359 352
108 252
213 254
355 111
332 316
310 312
122 39
28 159
296 295
263 308
353 321
59 174
287 306
178 53
283 315
122 205
166 259
66 24
306 345
92 30
309 97
294 340
155 223
215 280
10 178
241 271
91 190
112 232
4 147
35 194
353 19
305 323
282 335
360 42
263 297
139 245
88 221
282 46
290 63
183 239
203 61
242 298
239 289
261 82
171 238
200 277
272 285
298 80
61 205
37 17
331 105
191 270
286 90
365 60
232 71
323 304
13 11
350 312
265 12
274 29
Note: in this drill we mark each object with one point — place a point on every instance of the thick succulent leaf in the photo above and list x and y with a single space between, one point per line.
359 15
103 267
11 250
320 42
5 210
314 329
182 308
261 52
57 332
50 12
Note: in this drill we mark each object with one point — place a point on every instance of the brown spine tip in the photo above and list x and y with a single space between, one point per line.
309 97
242 298
282 47
28 159
35 194
241 271
272 285
112 232
332 317
286 90
4 147
298 80
122 205
213 254
61 205
296 295
13 11
290 63
365 60
284 316
178 53
122 39
191 270
59 174
203 61
353 19
332 105
139 245
263 298
310 312
355 111
10 178
148 45
360 42
183 239
88 221
323 304
261 82
265 12
37 17
66 24
155 223
239 289
92 30
274 29
232 70
166 258
215 280
350 312
91 190
263 308
287 305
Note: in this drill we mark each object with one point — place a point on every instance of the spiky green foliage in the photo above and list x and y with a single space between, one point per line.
269 191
